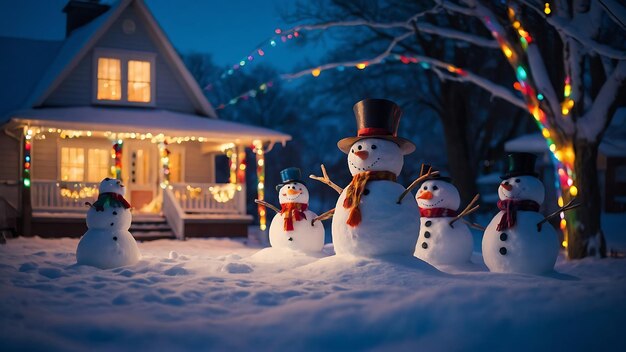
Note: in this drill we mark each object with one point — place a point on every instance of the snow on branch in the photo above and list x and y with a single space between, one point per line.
594 120
438 66
616 11
454 34
565 26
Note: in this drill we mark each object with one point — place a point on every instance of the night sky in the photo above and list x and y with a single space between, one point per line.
228 30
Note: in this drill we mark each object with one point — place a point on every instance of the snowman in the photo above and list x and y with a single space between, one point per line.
370 217
442 240
107 243
293 227
515 241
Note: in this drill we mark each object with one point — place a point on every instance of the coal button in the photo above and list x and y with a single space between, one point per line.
503 236
366 192
427 234
502 250
428 223
424 245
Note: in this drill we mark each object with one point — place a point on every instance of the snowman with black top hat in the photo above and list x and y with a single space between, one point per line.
515 240
371 217
293 227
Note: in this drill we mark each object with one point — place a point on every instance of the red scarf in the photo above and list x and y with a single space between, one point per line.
295 212
437 213
355 190
510 208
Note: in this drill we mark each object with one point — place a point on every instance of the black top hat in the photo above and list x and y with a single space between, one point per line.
377 118
289 175
520 164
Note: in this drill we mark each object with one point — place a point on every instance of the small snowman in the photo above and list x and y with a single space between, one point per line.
515 241
107 243
293 227
370 218
442 240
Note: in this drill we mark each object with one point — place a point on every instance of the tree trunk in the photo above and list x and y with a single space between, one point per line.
454 118
585 233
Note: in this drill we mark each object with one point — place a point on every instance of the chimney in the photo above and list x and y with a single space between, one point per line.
81 12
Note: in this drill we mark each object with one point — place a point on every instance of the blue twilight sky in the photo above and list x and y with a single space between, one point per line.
228 30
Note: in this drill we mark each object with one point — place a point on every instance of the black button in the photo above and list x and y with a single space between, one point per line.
428 223
366 192
424 245
427 234
114 213
111 224
115 238
290 239
502 250
503 236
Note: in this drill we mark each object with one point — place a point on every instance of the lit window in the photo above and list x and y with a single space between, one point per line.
175 167
139 81
98 167
72 164
109 79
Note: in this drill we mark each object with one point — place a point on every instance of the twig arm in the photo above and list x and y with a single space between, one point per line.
264 203
415 183
324 216
474 225
569 206
326 180
468 210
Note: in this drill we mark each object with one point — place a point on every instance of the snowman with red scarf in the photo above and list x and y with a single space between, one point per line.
442 240
515 241
293 226
371 218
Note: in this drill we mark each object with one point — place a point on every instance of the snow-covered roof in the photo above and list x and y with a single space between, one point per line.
59 58
117 119
22 64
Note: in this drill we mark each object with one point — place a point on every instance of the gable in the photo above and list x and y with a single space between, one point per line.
129 32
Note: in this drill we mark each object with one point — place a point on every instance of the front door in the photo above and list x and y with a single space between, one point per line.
140 174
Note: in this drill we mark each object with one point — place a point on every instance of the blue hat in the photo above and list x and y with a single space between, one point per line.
289 175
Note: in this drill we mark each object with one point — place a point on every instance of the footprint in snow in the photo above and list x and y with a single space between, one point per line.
237 268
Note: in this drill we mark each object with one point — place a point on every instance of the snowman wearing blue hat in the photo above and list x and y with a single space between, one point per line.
294 226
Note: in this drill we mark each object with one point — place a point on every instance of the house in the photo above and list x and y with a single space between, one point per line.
113 99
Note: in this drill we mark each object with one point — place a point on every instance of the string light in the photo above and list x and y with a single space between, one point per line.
547 9
28 135
117 156
165 165
257 148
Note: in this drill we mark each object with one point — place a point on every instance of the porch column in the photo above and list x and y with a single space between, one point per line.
25 167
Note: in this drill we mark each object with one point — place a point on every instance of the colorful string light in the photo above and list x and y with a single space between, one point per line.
28 135
117 156
165 165
257 148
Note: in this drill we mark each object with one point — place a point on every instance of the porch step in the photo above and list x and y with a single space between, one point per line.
148 228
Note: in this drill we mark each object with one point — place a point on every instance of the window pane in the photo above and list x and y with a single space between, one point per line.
109 79
72 164
139 81
98 167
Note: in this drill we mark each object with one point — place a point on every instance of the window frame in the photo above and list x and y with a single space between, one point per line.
124 56
85 145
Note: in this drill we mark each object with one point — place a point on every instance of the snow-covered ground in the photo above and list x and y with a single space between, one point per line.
225 295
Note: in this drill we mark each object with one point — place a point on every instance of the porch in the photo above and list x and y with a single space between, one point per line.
169 172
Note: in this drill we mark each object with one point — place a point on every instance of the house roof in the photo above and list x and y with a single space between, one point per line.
613 143
120 120
61 57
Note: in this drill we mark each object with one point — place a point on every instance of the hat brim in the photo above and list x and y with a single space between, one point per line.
406 146
278 186
514 174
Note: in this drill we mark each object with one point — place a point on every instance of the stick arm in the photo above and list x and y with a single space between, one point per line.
264 203
326 180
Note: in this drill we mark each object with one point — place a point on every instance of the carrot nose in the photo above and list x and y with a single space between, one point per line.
506 186
425 195
362 154
293 192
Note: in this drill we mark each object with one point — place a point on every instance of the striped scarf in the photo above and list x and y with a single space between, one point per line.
510 208
294 212
355 190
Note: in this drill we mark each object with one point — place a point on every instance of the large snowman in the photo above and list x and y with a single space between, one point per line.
513 242
440 241
107 243
293 226
370 217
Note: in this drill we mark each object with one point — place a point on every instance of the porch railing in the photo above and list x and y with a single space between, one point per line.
51 195
210 198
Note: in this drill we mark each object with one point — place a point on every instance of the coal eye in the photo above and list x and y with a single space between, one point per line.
517 180
352 150
301 189
425 188
435 188
360 147
374 146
